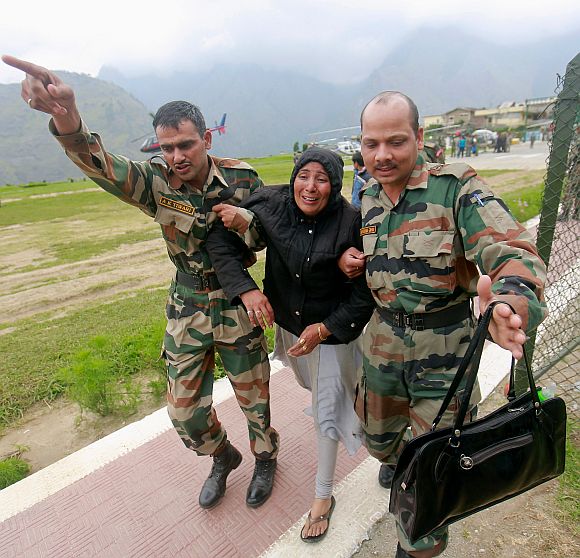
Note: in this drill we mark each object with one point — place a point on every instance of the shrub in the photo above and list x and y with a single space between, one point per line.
101 377
12 470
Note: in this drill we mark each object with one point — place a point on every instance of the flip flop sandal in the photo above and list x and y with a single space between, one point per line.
325 517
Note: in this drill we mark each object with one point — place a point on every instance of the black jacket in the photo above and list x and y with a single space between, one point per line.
302 282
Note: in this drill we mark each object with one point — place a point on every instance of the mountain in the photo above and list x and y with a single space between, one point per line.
442 69
29 153
268 109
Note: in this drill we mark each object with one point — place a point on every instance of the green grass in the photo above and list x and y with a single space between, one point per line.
79 206
273 170
40 188
36 352
101 376
12 470
525 203
91 354
81 249
66 229
487 173
568 496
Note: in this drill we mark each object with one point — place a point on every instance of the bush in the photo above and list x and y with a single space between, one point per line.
12 470
101 376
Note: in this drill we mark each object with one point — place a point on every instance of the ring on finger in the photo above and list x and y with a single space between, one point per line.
304 348
250 312
302 341
29 103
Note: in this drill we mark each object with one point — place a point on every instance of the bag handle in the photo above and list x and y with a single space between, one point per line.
470 364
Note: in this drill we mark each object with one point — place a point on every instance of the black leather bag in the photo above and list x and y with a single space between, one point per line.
445 475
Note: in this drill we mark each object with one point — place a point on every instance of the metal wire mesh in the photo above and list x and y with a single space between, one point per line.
556 357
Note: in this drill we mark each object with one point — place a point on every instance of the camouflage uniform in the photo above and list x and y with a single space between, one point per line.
199 317
422 254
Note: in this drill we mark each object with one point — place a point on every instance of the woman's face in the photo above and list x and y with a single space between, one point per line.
312 189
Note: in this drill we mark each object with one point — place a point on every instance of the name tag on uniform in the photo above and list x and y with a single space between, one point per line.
371 229
178 206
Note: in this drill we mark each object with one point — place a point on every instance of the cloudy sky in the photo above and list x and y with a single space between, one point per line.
336 40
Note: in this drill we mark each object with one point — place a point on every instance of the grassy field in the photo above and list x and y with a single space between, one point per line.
49 225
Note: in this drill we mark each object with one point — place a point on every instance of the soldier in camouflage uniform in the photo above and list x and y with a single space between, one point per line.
426 229
179 193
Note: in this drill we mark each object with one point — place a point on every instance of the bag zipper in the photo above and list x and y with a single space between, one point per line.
466 462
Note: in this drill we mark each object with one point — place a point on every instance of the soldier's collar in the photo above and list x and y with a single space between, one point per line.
419 176
214 172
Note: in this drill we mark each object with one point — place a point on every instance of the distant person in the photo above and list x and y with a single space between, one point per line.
427 233
361 177
461 145
474 146
180 196
319 313
508 142
532 140
453 146
502 139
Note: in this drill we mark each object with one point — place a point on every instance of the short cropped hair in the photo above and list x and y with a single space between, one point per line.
385 97
357 158
171 114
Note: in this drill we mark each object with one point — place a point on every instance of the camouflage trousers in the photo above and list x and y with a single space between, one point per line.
404 377
198 324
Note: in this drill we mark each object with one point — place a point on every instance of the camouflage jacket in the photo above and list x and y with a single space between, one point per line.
423 253
184 214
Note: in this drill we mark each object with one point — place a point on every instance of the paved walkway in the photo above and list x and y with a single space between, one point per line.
134 493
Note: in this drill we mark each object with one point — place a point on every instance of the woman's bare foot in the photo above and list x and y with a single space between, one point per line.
313 528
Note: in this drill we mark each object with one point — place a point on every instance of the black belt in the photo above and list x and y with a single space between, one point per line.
198 281
429 320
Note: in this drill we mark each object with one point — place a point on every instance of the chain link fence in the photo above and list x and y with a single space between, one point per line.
556 343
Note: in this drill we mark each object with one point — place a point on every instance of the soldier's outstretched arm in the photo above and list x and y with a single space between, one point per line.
44 91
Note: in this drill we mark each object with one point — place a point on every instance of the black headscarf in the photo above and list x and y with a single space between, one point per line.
333 166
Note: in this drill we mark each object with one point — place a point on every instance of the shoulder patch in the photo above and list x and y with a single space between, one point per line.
228 163
462 171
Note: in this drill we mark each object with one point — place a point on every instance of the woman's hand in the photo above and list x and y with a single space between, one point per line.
258 306
312 336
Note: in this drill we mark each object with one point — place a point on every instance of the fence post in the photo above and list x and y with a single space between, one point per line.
564 121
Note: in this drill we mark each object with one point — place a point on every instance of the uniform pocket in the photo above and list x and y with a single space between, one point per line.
430 260
175 226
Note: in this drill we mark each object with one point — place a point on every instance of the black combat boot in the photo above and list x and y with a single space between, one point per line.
214 486
386 473
262 482
401 553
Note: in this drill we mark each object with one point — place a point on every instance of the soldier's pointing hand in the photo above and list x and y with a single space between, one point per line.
43 90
